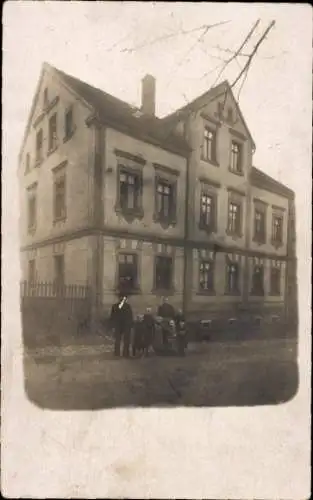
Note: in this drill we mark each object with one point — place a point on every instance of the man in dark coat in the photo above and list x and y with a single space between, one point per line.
121 320
166 310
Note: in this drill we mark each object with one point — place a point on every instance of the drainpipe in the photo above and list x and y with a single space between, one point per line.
97 222
186 232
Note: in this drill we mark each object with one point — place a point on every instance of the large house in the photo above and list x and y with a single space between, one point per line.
113 197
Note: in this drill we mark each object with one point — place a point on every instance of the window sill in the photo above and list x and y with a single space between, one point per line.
211 162
130 215
234 236
163 291
259 241
59 219
273 294
257 294
165 223
276 244
52 150
207 229
206 293
239 173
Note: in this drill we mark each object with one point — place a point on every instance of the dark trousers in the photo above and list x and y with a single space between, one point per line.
120 335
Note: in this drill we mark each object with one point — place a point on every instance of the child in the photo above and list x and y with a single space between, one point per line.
148 330
138 342
181 334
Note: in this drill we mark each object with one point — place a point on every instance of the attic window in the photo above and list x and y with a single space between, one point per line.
230 116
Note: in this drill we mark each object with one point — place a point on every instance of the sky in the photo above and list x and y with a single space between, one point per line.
88 40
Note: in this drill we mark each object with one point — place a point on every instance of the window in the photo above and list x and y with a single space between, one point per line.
59 196
206 276
208 211
163 272
69 123
165 200
52 132
232 277
277 229
209 145
59 271
259 225
32 271
258 280
234 218
235 158
230 115
275 280
39 145
129 191
127 272
32 208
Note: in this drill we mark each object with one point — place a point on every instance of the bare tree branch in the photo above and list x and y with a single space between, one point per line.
254 51
237 52
204 27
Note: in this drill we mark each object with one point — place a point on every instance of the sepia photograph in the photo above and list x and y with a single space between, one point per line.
156 237
157 249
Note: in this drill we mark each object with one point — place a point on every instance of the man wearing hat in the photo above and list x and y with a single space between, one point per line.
121 320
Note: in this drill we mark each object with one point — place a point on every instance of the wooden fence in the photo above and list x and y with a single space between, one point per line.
52 313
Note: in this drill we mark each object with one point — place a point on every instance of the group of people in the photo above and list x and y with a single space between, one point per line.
140 334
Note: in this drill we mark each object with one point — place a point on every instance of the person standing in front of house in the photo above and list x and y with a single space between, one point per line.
167 312
121 320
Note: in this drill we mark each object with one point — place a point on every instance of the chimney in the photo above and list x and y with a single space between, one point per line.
148 95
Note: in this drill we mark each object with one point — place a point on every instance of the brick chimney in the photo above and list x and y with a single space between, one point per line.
148 95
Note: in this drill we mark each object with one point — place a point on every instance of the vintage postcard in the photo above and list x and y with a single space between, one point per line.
157 184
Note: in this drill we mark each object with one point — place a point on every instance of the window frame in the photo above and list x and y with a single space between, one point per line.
161 289
277 242
237 232
32 211
39 150
68 133
206 191
59 176
239 169
204 261
237 289
135 256
52 137
259 236
254 291
212 157
129 214
275 267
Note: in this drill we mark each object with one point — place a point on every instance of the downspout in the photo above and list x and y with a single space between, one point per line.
97 222
186 230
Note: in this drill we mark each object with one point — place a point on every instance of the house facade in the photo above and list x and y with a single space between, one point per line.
115 198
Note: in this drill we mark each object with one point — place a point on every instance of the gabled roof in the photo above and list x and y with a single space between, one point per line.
264 181
202 101
117 113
